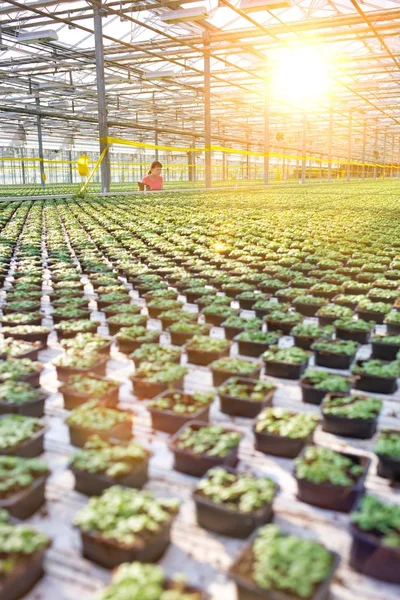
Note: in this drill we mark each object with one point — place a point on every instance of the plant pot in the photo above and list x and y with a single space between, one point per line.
307 309
369 315
129 346
110 554
32 408
37 321
241 569
73 400
333 361
388 467
29 448
274 325
122 432
145 390
219 376
372 558
198 464
277 445
225 521
324 320
393 328
362 337
84 314
94 484
310 395
72 333
25 502
385 351
170 422
28 337
334 497
284 370
204 358
98 369
10 311
362 429
180 339
23 577
238 407
252 349
304 341
377 385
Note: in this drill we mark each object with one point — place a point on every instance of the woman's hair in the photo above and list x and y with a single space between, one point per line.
154 165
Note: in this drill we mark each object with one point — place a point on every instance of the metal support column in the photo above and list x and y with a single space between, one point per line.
266 133
364 147
224 164
101 97
23 167
330 138
207 109
375 150
40 144
156 154
304 149
349 145
71 176
384 153
392 159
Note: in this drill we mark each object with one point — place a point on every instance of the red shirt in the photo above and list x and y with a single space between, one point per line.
154 184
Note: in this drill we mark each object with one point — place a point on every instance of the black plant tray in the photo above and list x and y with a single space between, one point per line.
334 497
219 376
94 484
145 390
362 337
29 448
72 400
378 385
23 577
109 554
27 501
324 320
215 320
278 445
247 589
170 422
393 328
306 309
284 370
203 359
310 395
372 558
98 369
333 361
304 341
253 349
368 315
238 407
362 429
198 464
121 432
389 467
32 408
273 325
385 351
225 521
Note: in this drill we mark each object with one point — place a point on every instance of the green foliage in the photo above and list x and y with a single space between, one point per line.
19 473
379 517
253 391
289 564
16 542
378 368
210 440
79 359
388 444
203 343
156 353
378 307
323 465
323 380
335 310
15 429
89 386
387 339
160 373
12 392
182 404
284 423
92 416
354 325
353 407
292 355
313 331
287 318
259 337
346 347
138 333
236 366
15 368
198 329
243 493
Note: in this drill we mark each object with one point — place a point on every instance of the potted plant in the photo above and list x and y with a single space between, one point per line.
387 449
198 447
373 311
243 397
282 321
21 306
281 565
123 525
29 333
151 379
75 362
156 354
356 330
376 376
388 296
21 436
306 333
12 348
23 482
210 299
329 313
174 408
203 350
124 321
22 399
67 313
315 384
287 363
22 549
247 299
90 342
265 306
104 300
93 419
14 319
349 300
78 389
130 339
217 313
253 342
160 305
392 322
226 367
375 539
125 308
182 332
69 329
329 479
21 369
140 579
235 324
385 347
308 305
335 354
101 464
351 416
177 315
283 433
233 504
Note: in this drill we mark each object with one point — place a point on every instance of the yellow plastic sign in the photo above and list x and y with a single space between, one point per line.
83 166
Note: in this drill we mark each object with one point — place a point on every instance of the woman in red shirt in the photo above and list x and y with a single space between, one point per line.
153 178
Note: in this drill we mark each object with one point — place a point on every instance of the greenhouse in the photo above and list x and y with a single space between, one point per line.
200 300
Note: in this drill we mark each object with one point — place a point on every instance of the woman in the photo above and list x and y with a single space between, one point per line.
153 178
